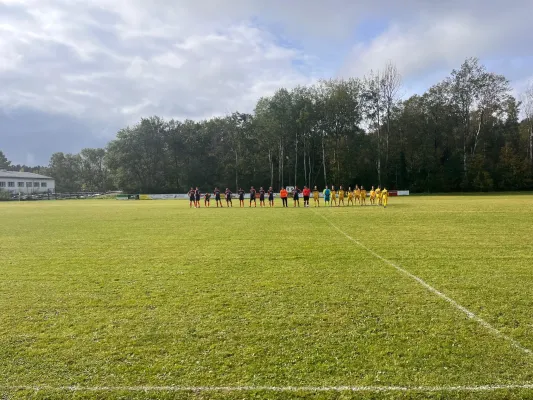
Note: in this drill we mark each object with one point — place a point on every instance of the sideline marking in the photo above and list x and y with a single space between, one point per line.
373 389
466 311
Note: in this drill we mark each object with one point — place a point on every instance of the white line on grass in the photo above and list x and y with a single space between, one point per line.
466 311
373 389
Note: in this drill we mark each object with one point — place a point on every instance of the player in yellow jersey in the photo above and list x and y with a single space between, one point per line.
350 195
341 196
357 194
378 195
372 196
316 197
363 196
333 196
385 197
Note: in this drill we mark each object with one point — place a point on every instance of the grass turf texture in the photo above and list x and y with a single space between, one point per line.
152 293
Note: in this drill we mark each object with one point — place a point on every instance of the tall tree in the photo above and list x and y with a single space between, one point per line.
477 94
94 173
527 101
374 109
66 170
4 162
390 85
463 133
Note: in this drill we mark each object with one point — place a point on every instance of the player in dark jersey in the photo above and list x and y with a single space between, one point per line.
207 198
197 197
262 196
228 198
217 196
296 196
252 196
241 197
270 196
191 198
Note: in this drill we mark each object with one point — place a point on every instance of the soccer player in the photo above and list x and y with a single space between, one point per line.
316 197
385 197
252 196
207 197
283 194
363 196
341 196
378 195
357 194
228 194
350 195
262 197
270 196
372 196
191 198
296 196
306 193
197 197
217 196
241 197
333 196
327 196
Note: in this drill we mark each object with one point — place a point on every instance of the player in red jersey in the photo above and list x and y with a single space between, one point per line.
306 193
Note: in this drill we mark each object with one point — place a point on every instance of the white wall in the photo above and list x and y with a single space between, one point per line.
50 185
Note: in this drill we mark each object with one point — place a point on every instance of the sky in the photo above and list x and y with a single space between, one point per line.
73 72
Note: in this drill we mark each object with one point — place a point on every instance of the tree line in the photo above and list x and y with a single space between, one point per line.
463 134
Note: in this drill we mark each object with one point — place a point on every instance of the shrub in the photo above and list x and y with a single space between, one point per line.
4 195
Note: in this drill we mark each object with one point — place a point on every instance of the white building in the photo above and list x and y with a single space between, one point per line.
26 182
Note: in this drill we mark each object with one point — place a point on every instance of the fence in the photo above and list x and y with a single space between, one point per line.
54 196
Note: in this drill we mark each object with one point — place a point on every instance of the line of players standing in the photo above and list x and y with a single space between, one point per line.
330 196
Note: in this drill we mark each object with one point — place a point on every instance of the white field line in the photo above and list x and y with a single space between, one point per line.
372 389
464 310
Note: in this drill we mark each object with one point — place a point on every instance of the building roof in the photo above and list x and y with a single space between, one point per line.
21 175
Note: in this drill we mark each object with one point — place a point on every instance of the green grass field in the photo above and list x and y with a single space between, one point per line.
151 299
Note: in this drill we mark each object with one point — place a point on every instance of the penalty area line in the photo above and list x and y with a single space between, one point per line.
371 389
436 292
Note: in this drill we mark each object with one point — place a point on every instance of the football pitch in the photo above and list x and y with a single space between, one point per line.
429 298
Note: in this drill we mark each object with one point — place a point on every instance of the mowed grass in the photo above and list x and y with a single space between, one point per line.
115 295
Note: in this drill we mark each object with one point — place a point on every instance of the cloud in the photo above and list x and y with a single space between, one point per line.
120 60
32 136
83 69
109 63
427 45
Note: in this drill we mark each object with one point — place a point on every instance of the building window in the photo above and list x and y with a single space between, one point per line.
11 184
43 184
21 184
2 184
28 184
35 184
